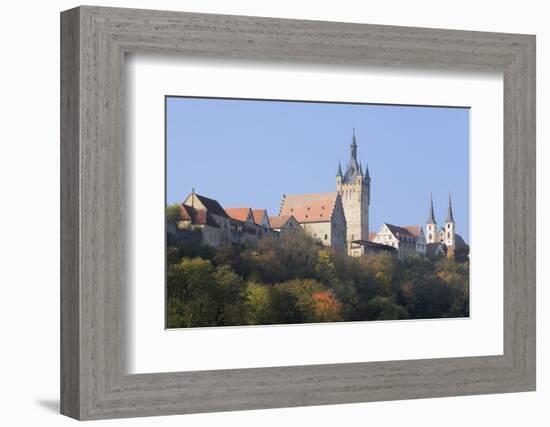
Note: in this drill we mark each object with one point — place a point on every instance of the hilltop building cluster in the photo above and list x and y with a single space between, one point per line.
338 219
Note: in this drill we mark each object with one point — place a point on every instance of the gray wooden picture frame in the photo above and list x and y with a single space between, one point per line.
94 41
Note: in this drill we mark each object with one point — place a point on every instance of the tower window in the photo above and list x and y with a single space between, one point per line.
326 236
448 235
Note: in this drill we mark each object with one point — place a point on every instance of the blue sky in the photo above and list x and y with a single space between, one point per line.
248 153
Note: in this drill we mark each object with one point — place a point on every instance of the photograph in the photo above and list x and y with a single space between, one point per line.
293 212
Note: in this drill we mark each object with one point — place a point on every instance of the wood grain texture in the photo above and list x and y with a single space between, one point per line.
94 382
70 314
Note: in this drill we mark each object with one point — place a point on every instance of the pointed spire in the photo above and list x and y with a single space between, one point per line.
431 218
367 175
361 168
339 173
450 217
353 146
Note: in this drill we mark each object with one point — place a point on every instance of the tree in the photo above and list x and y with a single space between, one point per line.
259 304
200 294
383 308
294 279
284 306
231 292
173 212
326 307
297 252
303 290
462 253
325 271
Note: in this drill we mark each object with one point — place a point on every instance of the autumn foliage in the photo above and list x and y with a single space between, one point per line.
293 279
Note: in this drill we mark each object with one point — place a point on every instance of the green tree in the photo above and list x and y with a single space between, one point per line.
173 212
259 304
384 308
200 294
285 306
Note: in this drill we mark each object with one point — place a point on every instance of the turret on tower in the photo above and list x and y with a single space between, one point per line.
354 190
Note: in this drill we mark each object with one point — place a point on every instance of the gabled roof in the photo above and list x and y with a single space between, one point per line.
433 248
415 230
259 215
399 232
240 214
211 205
196 216
280 221
309 207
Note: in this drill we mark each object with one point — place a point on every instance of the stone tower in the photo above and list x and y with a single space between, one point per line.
431 225
354 190
450 227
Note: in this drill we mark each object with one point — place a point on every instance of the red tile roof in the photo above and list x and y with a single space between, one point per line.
279 221
240 214
309 207
258 215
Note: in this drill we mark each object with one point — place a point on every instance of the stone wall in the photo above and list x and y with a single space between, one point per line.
355 202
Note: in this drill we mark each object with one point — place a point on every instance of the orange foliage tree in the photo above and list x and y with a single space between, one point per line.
326 307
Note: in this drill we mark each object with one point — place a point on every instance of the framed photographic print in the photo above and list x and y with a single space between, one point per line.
261 213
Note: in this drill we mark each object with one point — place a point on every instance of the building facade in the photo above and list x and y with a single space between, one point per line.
320 215
284 224
411 240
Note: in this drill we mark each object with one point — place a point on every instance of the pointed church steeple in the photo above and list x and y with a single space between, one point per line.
367 175
450 217
431 218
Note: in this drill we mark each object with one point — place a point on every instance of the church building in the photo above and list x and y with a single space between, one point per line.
446 235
